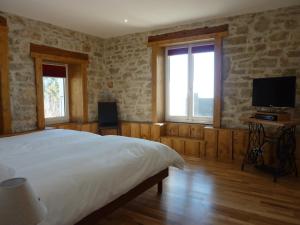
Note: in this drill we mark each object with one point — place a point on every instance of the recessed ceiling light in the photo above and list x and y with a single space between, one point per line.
125 20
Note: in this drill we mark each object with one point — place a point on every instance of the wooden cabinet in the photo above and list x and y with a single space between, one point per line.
167 141
135 130
239 145
157 130
145 131
225 145
172 129
125 129
184 130
185 146
88 127
193 140
178 145
109 131
197 131
192 148
211 138
67 126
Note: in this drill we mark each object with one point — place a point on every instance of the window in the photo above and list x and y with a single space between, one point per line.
55 88
190 83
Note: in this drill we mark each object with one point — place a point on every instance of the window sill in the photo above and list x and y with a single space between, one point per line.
189 122
57 120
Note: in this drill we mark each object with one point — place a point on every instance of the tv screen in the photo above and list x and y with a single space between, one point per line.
274 92
108 116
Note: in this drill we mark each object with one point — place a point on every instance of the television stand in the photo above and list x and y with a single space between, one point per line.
108 130
272 116
284 140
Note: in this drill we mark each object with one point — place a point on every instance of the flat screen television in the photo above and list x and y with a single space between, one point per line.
107 114
274 92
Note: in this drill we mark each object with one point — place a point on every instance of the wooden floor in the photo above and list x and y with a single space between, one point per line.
214 193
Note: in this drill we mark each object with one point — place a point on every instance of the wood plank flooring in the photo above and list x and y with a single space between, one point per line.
213 193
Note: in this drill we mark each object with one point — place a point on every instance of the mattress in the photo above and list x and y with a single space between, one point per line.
75 173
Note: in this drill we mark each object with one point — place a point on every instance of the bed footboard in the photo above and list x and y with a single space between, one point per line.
96 216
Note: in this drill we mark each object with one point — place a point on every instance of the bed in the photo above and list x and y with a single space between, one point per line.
80 175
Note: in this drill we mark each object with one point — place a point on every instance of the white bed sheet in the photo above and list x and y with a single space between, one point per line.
74 173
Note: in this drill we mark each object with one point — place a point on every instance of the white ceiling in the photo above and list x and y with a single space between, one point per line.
105 18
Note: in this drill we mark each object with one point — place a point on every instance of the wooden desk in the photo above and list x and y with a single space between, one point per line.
287 123
284 139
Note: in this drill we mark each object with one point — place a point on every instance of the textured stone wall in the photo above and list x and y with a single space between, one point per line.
259 45
127 70
22 32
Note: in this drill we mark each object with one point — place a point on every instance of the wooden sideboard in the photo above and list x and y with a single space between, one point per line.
88 127
193 141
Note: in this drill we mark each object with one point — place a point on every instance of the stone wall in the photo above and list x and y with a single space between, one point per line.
22 32
127 76
258 45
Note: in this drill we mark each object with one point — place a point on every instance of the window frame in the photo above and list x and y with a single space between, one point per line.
189 118
60 119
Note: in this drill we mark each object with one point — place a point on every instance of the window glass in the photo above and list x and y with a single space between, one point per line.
178 85
203 84
190 83
54 97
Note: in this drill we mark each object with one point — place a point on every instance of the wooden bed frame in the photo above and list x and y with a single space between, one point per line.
96 216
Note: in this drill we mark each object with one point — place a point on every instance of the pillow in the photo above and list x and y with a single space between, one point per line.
6 172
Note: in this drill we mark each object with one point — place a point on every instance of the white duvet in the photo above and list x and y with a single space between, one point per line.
74 173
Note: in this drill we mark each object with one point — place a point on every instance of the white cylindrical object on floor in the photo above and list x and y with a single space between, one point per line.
18 203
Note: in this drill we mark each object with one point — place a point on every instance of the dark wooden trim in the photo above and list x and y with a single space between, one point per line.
3 21
5 110
160 187
218 83
188 33
110 207
158 84
46 50
39 93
